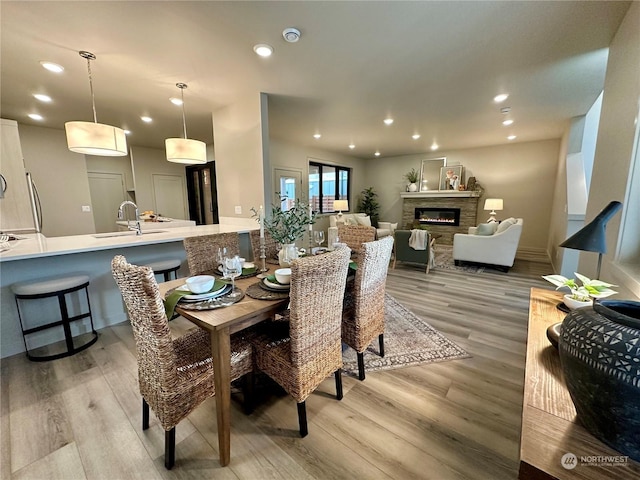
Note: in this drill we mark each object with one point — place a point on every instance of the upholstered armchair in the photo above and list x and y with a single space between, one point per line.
385 229
489 243
405 253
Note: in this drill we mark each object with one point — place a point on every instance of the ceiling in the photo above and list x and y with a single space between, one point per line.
432 66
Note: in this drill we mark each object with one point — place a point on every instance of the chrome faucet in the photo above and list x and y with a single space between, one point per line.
136 227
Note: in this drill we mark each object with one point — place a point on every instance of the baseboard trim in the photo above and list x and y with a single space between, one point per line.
531 254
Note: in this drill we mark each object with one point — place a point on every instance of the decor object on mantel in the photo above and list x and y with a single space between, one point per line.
600 359
185 150
451 177
412 177
286 225
95 138
493 204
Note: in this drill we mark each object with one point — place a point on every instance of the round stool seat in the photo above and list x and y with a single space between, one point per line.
164 265
51 285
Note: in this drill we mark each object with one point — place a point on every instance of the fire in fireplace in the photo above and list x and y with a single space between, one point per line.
438 216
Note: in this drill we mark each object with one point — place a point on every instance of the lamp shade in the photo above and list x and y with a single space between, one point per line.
591 237
184 150
340 205
93 138
493 204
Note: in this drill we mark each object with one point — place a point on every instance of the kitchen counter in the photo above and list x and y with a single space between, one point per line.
164 223
37 257
38 246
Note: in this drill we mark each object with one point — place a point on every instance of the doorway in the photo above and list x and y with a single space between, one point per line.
107 192
202 193
168 192
289 184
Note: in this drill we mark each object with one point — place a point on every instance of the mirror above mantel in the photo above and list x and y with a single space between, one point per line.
430 173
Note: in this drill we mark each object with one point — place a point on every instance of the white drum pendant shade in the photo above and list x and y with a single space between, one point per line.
184 150
96 139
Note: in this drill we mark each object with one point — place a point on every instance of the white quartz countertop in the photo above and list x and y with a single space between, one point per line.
160 224
37 245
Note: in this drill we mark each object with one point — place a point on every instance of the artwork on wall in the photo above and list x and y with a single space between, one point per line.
451 177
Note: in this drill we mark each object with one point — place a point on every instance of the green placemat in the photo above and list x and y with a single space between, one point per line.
172 297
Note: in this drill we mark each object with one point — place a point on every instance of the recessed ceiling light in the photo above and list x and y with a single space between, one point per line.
377 154
35 116
317 136
52 67
415 136
175 101
434 146
511 137
506 123
42 97
263 49
127 132
352 146
500 98
146 119
388 121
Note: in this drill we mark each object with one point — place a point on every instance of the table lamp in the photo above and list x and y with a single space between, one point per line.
340 205
592 237
493 204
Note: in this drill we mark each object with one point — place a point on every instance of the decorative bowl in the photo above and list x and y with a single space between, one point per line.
200 283
283 275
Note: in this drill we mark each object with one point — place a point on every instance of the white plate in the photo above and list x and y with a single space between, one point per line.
278 286
201 296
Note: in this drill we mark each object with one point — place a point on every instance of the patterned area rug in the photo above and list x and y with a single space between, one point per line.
444 260
408 340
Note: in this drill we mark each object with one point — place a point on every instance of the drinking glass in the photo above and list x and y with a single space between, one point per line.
318 236
223 253
232 268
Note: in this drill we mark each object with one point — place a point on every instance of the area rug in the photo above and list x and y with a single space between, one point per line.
408 340
444 260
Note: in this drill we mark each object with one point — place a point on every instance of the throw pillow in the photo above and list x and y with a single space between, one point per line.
394 227
365 221
484 229
505 224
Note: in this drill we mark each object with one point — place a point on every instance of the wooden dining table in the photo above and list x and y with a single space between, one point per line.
221 323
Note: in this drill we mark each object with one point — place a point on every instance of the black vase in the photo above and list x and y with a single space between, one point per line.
600 356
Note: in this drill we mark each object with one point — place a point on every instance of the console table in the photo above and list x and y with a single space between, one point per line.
550 428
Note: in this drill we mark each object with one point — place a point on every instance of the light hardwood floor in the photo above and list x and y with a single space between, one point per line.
80 417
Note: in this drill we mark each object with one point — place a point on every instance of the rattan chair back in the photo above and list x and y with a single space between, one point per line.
364 320
355 235
202 251
270 251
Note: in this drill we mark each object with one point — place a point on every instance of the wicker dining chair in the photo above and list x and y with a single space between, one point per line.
174 375
301 353
363 314
271 248
355 235
202 251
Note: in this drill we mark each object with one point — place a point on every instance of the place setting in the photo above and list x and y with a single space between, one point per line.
272 287
248 269
203 292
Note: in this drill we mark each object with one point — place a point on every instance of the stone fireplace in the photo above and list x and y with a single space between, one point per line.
445 213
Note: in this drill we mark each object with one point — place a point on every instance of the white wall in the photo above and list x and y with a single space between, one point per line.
615 142
522 174
61 179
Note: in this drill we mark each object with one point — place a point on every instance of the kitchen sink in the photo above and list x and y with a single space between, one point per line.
126 234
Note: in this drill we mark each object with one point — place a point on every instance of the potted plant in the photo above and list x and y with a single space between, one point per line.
581 295
287 226
412 177
369 204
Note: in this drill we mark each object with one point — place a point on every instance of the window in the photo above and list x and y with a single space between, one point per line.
326 184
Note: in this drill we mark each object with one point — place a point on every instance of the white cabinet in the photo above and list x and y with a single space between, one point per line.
15 207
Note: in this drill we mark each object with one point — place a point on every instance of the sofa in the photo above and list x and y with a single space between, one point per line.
489 243
384 229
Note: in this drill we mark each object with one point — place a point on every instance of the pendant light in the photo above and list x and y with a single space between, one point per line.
184 150
95 138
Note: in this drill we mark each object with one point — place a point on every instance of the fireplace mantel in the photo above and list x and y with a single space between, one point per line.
440 194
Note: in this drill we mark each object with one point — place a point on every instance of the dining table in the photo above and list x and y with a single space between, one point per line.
221 323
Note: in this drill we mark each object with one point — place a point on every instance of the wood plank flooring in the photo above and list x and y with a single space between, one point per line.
80 417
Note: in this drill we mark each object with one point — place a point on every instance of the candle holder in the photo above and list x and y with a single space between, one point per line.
263 257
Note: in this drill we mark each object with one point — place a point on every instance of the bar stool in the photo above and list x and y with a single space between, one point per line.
55 287
165 268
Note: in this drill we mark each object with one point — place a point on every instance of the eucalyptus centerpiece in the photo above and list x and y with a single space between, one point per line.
287 225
